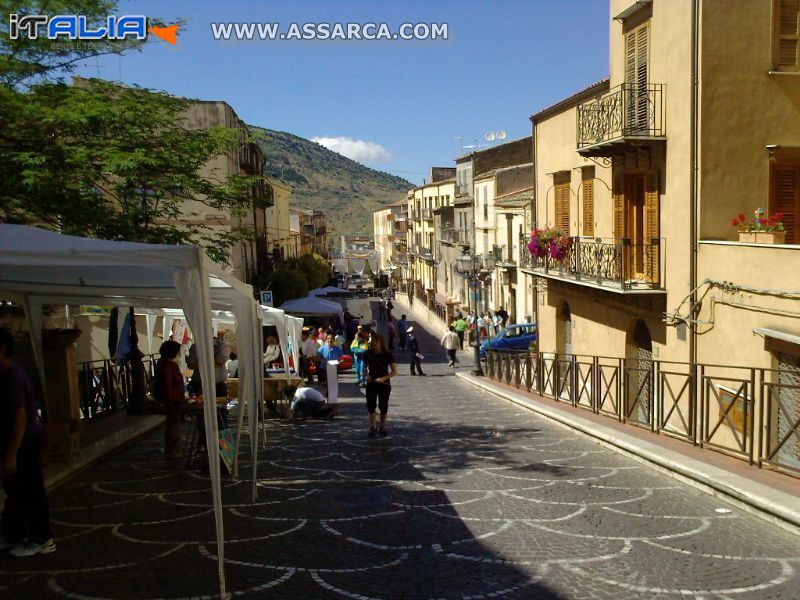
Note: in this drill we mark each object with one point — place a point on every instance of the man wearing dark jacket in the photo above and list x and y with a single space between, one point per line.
414 353
26 513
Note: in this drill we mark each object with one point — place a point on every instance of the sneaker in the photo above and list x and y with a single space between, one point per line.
372 432
382 432
32 548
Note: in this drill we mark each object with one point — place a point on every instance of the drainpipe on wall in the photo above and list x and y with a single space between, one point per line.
693 175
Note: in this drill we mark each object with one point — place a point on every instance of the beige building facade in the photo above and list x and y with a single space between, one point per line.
641 176
422 254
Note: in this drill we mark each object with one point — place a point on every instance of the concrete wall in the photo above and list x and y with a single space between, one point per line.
731 315
744 108
517 152
278 219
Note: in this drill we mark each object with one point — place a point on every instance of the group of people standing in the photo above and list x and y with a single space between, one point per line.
481 325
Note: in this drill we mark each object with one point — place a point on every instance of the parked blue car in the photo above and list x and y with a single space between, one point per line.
512 337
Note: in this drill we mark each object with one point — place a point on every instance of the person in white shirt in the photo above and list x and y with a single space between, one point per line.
498 323
450 342
232 366
480 326
272 353
308 349
308 402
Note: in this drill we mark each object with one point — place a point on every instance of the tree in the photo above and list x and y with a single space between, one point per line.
298 276
288 283
316 269
101 159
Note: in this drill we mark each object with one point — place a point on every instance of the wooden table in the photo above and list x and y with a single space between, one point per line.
274 387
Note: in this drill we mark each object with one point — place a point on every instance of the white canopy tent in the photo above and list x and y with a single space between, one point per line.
39 267
326 291
312 306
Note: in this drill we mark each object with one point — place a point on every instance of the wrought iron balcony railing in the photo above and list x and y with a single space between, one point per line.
618 263
630 110
462 189
250 158
455 236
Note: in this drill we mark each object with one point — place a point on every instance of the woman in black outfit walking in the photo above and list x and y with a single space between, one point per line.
381 367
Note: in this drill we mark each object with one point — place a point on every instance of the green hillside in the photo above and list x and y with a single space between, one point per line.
345 190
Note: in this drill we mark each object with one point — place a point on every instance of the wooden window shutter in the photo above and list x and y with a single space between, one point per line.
636 77
618 193
630 56
588 207
652 231
787 42
562 207
786 199
651 201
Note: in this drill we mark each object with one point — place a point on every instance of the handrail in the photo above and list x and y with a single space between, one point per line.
741 411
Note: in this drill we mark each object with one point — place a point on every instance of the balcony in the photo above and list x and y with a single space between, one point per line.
425 253
426 214
627 115
263 194
250 158
453 237
616 265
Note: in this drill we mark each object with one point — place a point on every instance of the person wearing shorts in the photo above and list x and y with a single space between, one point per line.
381 367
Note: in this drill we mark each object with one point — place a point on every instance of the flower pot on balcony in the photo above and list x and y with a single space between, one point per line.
770 237
747 237
762 237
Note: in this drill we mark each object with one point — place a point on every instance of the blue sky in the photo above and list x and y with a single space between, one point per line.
503 60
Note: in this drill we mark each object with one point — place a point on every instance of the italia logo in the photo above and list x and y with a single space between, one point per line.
76 27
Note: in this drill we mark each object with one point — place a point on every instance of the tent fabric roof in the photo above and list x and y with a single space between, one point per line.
34 261
325 291
311 306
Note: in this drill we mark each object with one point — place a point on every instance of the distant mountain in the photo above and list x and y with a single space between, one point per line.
345 190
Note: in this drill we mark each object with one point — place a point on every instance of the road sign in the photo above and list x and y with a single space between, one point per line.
266 298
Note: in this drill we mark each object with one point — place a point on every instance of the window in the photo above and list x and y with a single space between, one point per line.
786 37
785 198
738 414
636 77
587 189
561 181
485 206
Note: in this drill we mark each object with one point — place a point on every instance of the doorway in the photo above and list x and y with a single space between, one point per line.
639 375
640 226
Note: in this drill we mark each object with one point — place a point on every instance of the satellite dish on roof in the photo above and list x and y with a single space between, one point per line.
489 136
501 135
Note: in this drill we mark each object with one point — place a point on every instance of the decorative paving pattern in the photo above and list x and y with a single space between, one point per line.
468 497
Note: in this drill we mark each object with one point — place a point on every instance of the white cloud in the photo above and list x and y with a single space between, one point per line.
357 150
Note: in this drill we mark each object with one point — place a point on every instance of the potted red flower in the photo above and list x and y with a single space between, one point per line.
761 229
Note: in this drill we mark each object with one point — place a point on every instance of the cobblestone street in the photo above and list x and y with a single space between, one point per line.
468 497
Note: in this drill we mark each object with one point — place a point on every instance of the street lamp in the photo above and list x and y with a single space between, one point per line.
475 270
